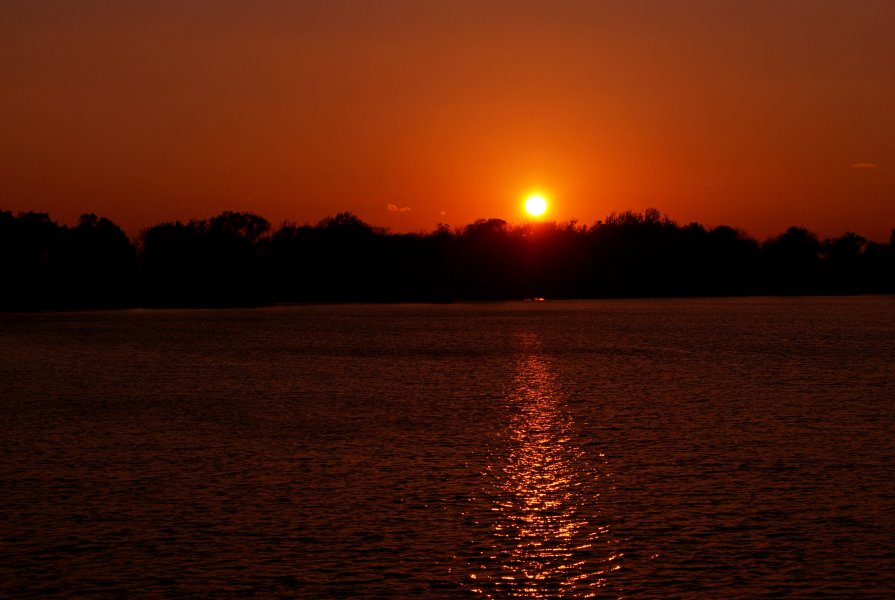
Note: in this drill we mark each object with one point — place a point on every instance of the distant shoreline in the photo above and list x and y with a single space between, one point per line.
545 304
237 260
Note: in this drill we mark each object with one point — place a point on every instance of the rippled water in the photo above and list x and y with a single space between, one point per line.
662 448
541 498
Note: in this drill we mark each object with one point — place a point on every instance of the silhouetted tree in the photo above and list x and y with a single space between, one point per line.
485 266
791 261
235 258
843 263
292 262
45 265
207 262
234 244
633 254
29 248
96 263
732 262
347 256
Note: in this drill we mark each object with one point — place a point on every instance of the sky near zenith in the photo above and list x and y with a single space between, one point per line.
757 114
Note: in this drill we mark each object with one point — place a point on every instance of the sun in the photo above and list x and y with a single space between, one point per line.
535 205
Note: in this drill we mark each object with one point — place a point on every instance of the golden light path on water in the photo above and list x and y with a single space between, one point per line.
546 535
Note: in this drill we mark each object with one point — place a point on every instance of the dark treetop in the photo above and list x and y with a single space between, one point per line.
237 259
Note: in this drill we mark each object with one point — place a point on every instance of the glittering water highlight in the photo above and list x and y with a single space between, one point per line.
547 536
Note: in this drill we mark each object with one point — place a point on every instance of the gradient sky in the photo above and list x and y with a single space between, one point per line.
757 114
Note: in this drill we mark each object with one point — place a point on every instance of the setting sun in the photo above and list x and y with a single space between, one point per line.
535 205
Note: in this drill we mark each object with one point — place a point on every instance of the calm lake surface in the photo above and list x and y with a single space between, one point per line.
646 448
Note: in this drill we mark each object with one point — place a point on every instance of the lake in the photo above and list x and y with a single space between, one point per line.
639 448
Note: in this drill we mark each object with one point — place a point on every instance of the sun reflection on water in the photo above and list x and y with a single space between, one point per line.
541 499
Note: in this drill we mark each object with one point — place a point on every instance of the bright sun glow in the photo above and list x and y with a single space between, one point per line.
535 205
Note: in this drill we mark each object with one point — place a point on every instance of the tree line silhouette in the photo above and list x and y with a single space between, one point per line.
238 259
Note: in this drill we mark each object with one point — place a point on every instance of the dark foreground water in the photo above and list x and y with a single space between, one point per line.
671 448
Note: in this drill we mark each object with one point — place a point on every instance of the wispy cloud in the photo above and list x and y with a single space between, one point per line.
395 208
864 165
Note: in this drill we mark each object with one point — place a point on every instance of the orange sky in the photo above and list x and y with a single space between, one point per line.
754 114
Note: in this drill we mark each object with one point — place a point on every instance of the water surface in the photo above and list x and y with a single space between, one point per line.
652 448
